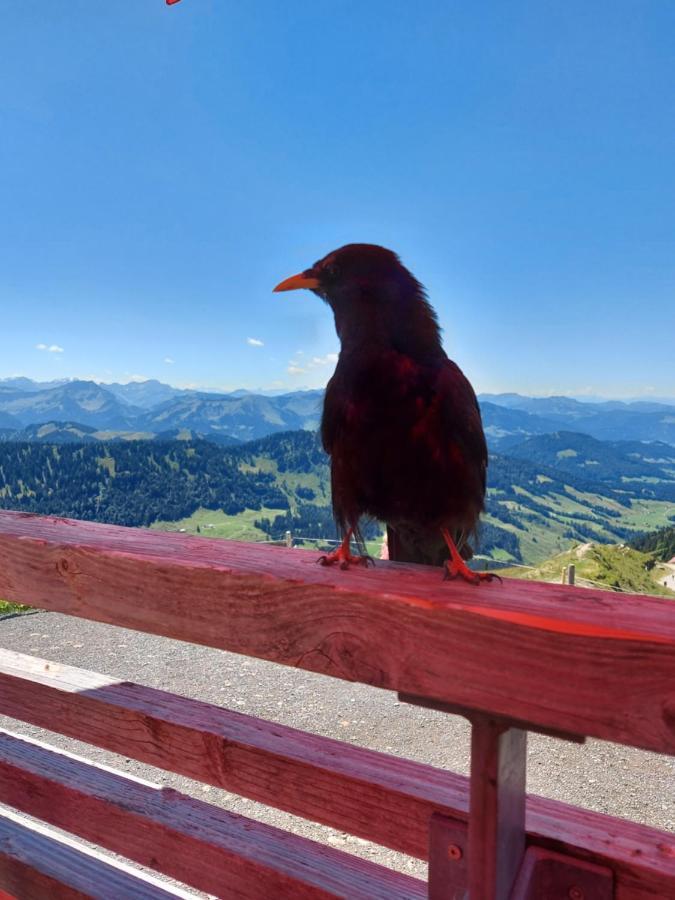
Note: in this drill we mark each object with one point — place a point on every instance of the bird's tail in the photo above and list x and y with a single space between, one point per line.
429 548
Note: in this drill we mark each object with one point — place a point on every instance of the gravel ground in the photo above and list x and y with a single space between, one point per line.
599 776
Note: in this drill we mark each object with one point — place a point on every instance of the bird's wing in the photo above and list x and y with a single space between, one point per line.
448 423
334 422
462 414
333 416
448 418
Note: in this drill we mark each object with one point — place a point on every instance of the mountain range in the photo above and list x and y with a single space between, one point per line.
150 408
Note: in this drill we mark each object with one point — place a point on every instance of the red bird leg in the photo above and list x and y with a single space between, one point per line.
343 556
455 567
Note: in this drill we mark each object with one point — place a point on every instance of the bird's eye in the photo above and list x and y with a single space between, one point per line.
332 271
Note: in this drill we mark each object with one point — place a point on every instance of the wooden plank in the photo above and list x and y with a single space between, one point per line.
208 848
497 808
373 795
584 662
38 865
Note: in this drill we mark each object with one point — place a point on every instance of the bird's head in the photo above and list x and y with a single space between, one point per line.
369 290
352 273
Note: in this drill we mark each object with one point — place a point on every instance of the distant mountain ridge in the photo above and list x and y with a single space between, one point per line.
144 394
20 383
75 401
246 416
563 405
611 420
152 407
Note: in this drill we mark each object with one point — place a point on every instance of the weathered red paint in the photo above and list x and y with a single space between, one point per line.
575 662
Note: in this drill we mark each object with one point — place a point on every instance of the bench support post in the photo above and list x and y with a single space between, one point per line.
496 808
487 859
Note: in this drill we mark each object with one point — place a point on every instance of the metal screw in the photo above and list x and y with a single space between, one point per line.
576 893
455 853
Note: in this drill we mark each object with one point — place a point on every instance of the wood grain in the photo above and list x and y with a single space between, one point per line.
579 661
372 795
38 865
215 851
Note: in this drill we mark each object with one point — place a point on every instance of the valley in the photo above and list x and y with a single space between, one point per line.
547 492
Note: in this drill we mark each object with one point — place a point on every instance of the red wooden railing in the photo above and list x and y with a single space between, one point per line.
512 657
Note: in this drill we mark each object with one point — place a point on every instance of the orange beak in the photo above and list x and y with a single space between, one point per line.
295 282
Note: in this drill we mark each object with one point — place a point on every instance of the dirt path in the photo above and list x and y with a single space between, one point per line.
669 580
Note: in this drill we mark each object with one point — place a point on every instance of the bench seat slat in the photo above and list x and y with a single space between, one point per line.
369 794
206 847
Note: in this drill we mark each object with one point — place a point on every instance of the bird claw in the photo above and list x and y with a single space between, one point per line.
345 559
454 571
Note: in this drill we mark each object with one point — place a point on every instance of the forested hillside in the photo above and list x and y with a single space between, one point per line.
660 543
281 482
642 469
132 483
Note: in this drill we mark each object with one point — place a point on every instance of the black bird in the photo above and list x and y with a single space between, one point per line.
400 422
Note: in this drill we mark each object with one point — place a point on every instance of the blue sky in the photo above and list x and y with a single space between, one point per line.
162 168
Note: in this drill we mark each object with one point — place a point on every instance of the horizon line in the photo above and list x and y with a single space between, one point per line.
588 396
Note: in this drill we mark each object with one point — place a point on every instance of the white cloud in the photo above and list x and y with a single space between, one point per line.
52 348
301 367
254 342
327 360
169 361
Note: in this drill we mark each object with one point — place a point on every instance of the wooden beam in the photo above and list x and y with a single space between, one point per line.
497 808
201 845
584 662
36 864
373 795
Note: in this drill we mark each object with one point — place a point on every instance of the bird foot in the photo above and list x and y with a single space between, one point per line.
459 569
345 559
